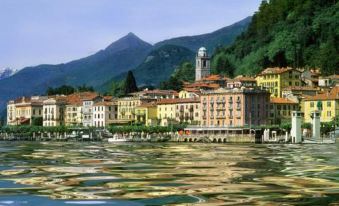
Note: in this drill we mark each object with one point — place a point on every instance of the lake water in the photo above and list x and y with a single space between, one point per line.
58 173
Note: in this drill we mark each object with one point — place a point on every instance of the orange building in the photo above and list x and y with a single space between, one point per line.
234 107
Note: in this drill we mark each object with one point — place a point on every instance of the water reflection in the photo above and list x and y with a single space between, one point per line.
180 174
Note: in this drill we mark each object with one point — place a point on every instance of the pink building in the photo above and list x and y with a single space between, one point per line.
238 107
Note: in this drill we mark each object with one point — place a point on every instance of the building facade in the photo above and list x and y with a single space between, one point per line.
185 110
234 107
326 103
276 79
127 105
25 111
146 114
281 110
104 113
87 110
54 111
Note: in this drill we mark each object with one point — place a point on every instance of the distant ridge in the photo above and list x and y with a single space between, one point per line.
220 37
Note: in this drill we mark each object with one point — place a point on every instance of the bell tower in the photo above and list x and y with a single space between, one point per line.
202 64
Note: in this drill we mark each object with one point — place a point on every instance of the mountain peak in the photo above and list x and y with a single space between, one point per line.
127 42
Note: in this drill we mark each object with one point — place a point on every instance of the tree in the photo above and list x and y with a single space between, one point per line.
172 84
64 89
130 84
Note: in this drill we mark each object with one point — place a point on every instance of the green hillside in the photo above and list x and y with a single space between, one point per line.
157 66
302 33
221 37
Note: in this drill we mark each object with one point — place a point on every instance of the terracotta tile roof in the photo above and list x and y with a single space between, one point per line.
276 70
178 101
157 92
108 98
299 88
193 90
213 77
148 104
333 94
242 79
77 98
278 100
199 85
104 103
22 100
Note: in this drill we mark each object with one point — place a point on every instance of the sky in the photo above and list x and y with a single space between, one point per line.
34 32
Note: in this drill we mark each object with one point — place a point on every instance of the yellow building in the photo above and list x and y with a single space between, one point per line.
276 79
327 103
281 110
25 111
178 111
127 105
146 114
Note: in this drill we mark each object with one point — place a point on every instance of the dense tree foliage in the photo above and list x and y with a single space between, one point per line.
130 85
66 90
123 88
184 73
292 33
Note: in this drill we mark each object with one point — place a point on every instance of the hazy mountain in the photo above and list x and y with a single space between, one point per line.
157 66
124 54
7 72
221 37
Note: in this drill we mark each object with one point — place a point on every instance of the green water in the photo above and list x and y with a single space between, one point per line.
56 173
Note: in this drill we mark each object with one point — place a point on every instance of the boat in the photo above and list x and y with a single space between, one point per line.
319 141
117 138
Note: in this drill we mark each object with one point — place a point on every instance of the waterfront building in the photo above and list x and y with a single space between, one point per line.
202 65
238 107
127 105
281 110
276 79
11 113
54 111
156 94
25 111
146 114
87 109
74 108
241 81
295 93
185 110
105 113
326 103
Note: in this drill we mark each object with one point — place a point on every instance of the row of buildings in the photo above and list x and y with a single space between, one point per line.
211 101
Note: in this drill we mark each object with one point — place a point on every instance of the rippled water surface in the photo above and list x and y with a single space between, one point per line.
56 173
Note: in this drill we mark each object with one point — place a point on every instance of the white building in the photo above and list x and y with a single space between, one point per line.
54 111
87 110
202 64
104 113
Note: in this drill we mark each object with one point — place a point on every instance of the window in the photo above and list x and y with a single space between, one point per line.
296 83
290 83
328 113
329 104
312 104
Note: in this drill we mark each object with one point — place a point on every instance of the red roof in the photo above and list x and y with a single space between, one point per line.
276 70
278 100
177 101
333 94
